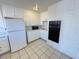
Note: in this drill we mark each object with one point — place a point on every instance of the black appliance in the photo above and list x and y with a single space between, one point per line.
54 30
35 27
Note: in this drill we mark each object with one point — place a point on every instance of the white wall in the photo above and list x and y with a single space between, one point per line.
68 12
44 16
31 17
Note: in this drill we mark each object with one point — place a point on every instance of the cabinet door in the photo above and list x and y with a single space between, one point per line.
8 11
36 34
1 20
30 36
33 35
4 45
44 34
0 13
19 13
17 40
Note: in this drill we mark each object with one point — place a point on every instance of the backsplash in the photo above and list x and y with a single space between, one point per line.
29 28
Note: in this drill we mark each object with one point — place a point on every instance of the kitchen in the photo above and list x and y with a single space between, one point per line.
16 32
46 31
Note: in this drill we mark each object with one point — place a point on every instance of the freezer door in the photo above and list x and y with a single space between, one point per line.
15 24
17 40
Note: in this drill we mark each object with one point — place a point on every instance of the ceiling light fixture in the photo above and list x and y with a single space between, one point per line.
36 8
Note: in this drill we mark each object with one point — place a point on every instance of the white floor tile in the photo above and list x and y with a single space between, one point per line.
58 54
6 56
15 55
54 57
24 57
49 53
22 52
29 51
65 57
39 52
44 56
43 49
34 56
36 50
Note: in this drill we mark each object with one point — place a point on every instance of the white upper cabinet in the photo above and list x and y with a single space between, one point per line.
10 11
1 20
0 13
44 16
19 13
31 18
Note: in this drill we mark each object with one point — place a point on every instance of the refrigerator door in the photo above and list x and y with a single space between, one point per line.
17 40
15 24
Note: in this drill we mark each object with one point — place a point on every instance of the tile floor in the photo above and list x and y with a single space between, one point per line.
36 50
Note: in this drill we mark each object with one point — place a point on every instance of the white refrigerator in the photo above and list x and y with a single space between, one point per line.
17 34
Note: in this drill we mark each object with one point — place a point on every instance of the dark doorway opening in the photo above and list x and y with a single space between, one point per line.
54 30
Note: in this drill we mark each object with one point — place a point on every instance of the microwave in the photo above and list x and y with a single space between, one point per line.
35 27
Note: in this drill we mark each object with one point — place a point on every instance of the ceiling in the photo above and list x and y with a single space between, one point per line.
29 4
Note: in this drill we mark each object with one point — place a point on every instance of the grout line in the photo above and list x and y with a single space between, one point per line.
19 54
36 53
10 55
27 54
39 45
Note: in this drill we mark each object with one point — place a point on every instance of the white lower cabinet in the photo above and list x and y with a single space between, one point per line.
4 45
33 35
44 34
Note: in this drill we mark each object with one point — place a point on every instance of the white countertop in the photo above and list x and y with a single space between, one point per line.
37 30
